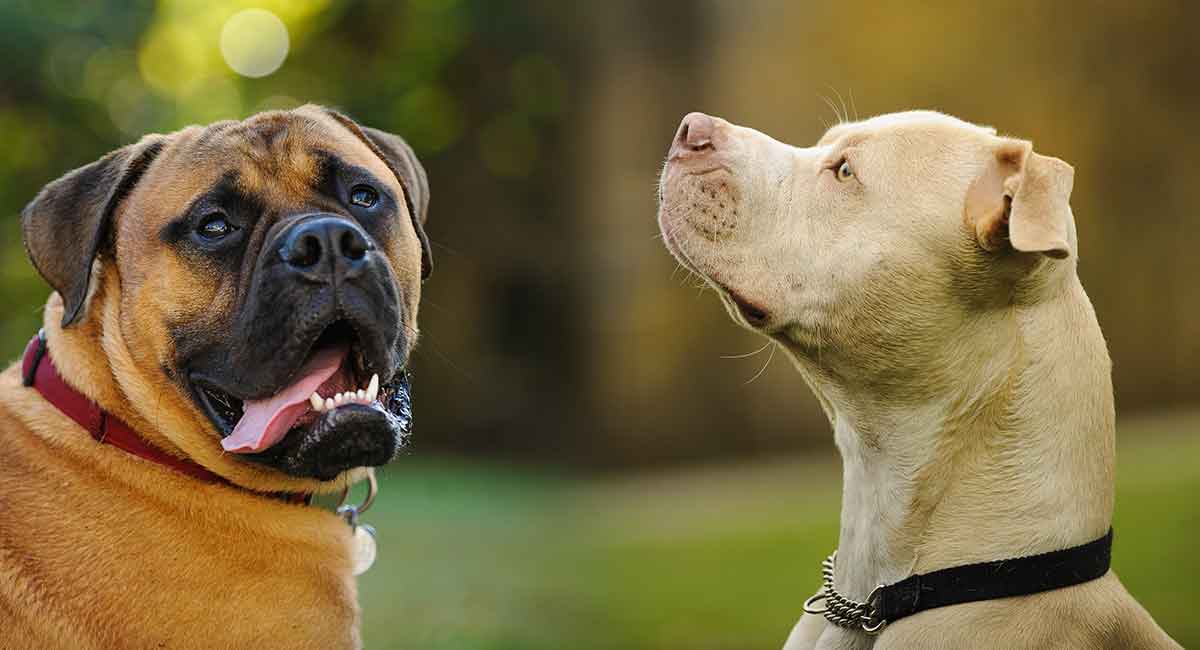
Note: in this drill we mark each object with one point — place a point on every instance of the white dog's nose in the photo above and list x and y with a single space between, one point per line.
695 135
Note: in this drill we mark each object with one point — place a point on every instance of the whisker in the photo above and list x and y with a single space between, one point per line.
746 354
765 365
845 112
426 340
441 246
832 107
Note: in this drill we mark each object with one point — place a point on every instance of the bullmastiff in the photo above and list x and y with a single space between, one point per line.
233 309
920 271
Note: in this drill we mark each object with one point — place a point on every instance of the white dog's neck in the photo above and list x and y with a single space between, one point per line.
1012 457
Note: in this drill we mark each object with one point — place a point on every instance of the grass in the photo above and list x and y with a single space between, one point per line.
476 556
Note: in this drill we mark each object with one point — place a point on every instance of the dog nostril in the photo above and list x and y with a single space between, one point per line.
683 132
305 251
353 247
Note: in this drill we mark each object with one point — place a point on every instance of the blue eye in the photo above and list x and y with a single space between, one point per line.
215 226
363 196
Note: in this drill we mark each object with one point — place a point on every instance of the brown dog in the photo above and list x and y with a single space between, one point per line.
219 289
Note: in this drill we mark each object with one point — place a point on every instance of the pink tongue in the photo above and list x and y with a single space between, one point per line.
265 422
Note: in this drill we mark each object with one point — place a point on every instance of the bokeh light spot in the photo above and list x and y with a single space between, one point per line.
172 59
254 42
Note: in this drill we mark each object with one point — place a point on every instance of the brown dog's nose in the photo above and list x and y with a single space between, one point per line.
695 135
325 249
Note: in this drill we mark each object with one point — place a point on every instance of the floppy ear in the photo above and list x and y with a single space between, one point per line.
408 170
1021 201
67 224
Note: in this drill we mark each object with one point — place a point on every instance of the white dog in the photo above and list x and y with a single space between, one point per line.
920 271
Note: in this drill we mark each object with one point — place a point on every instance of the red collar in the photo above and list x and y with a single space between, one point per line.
38 371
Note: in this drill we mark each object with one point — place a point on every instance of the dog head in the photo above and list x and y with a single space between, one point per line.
253 286
863 252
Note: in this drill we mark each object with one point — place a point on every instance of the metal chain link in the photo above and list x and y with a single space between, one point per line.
838 609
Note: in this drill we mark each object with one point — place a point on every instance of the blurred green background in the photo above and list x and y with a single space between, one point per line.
590 469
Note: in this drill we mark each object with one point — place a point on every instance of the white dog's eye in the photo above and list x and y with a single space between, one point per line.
844 173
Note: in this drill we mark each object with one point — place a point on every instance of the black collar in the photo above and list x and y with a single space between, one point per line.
963 584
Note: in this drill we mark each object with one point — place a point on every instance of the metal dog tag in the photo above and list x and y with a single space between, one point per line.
362 542
364 548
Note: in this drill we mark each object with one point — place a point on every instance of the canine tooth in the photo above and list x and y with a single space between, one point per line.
373 388
318 404
329 404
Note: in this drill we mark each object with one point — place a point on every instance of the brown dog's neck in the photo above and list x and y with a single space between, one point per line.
85 353
96 357
1015 459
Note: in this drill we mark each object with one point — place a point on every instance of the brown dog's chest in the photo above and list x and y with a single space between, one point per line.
100 549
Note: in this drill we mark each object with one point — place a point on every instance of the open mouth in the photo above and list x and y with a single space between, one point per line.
332 378
751 313
754 315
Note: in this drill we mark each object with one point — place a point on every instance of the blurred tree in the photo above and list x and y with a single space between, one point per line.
554 324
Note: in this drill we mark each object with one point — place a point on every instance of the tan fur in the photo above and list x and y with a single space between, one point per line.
967 380
102 549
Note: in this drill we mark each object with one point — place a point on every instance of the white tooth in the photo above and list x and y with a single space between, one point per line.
340 399
318 404
373 388
361 395
329 404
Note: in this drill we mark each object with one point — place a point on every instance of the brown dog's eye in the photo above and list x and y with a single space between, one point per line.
363 196
214 226
844 173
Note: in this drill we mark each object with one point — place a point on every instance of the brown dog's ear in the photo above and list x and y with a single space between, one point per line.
1021 200
408 170
67 224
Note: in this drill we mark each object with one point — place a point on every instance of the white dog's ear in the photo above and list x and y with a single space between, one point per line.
1021 201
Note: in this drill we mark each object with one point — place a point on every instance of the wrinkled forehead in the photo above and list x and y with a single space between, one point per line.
280 156
909 124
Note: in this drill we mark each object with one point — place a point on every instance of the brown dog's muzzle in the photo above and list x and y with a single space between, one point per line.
322 320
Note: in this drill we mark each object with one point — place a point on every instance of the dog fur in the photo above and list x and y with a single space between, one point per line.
921 273
102 549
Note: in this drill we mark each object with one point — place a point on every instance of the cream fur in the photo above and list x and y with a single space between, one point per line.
967 383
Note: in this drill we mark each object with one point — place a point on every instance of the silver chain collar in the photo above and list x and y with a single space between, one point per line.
842 611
